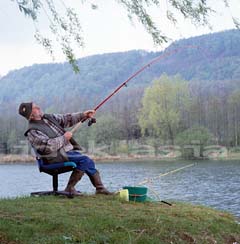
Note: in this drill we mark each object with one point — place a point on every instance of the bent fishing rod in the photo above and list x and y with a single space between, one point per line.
124 84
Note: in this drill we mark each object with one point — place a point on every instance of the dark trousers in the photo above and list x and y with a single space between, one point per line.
83 162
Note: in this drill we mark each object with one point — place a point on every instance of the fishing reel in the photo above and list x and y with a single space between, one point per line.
91 121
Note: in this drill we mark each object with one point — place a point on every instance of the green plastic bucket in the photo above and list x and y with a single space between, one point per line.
137 193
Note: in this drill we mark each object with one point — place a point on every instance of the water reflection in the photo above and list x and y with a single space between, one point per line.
215 183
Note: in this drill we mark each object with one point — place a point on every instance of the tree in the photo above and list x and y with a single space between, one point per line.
107 131
11 140
67 29
234 125
124 107
197 136
162 102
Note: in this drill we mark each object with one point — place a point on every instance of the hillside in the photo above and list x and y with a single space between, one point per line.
214 57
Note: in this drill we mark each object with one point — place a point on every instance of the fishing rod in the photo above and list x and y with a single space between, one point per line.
124 84
164 174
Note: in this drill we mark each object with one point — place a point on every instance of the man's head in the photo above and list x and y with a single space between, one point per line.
30 111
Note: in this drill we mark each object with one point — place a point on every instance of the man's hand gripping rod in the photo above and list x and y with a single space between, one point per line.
78 125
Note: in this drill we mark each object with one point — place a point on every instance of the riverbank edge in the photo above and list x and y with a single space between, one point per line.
51 220
16 158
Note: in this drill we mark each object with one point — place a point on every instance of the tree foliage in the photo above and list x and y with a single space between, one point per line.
107 129
160 113
67 29
234 115
194 138
195 135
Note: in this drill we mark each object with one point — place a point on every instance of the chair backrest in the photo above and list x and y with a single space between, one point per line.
39 163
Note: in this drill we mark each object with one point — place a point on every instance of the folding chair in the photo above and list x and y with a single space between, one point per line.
54 170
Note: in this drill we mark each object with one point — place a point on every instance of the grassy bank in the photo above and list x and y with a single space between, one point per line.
104 219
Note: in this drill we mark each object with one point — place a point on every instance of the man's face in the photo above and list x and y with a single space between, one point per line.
36 112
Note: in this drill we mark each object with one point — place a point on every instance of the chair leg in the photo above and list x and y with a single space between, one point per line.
55 182
54 191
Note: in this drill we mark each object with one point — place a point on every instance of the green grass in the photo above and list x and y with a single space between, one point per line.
105 219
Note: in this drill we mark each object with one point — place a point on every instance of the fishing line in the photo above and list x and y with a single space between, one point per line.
149 180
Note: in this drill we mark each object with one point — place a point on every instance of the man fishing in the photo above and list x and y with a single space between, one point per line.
47 136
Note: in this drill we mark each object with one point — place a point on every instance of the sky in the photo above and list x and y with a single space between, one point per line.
105 30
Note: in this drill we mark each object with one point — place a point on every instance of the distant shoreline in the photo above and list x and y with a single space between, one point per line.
16 158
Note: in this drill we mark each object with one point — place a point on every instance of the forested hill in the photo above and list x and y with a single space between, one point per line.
208 58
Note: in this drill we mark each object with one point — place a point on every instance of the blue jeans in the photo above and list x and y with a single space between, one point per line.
83 162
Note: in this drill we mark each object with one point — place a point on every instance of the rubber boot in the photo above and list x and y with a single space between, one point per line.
73 180
97 183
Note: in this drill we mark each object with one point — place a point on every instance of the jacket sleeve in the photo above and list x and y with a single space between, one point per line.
68 120
44 144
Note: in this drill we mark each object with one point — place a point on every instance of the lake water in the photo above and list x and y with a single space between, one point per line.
210 183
